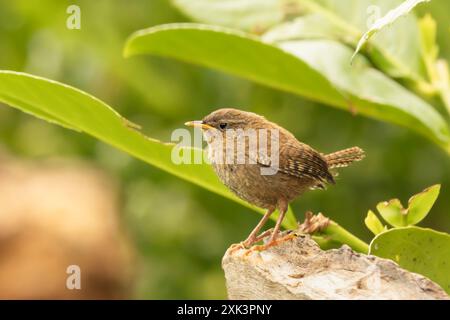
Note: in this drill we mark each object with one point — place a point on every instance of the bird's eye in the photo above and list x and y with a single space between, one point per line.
223 125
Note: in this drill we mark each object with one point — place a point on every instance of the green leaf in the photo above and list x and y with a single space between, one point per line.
418 207
318 70
429 48
443 82
392 16
345 20
437 69
311 26
73 108
248 15
399 59
235 52
419 250
420 204
393 212
428 30
368 91
373 223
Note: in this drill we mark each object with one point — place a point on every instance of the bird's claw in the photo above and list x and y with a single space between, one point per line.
259 248
287 237
249 247
248 243
236 247
270 243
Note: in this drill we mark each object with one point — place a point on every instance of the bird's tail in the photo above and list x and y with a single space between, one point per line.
343 158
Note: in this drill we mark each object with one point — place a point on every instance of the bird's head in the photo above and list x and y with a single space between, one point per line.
245 131
229 119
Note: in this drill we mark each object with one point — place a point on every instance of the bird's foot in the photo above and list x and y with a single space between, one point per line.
236 247
273 241
262 236
248 244
259 248
288 237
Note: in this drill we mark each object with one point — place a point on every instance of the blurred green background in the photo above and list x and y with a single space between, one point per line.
181 231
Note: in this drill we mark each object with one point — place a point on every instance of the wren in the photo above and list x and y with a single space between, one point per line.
298 167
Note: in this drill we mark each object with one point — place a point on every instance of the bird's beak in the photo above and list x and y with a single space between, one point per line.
198 124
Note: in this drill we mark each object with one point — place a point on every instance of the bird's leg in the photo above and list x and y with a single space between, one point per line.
253 237
282 208
263 235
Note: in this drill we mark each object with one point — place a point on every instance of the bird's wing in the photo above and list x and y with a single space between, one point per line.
295 158
300 160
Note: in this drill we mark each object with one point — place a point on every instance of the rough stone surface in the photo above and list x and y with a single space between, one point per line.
299 269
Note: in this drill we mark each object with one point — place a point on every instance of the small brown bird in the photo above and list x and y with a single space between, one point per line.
297 168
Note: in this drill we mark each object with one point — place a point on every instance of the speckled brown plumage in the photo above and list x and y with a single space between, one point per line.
300 167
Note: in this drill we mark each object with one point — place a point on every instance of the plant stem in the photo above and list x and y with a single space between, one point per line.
336 233
328 234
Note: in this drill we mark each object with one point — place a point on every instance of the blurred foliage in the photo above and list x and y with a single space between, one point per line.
180 244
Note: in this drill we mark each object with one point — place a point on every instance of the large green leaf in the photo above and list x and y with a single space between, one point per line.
75 109
419 250
235 52
368 90
318 70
